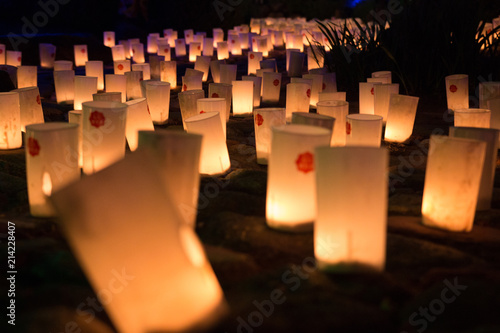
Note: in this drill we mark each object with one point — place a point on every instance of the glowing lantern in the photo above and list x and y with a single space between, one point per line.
457 91
313 61
144 68
367 97
14 58
81 55
192 82
472 118
234 44
214 155
118 52
297 98
278 38
227 73
178 157
363 130
264 120
194 51
222 51
291 189
165 50
138 53
188 36
296 64
117 83
138 119
257 86
452 179
190 299
127 47
490 136
213 105
271 87
31 106
51 163
168 73
382 96
109 38
203 64
345 236
386 76
152 41
47 55
85 87
95 68
222 90
63 65
254 59
244 40
242 98
218 34
27 76
316 87
188 103
208 47
64 84
103 128
2 54
339 110
10 121
180 47
215 69
487 91
121 66
158 98
154 66
400 118
108 96
134 85
332 96
75 117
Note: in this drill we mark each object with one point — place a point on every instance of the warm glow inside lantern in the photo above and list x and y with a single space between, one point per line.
452 178
457 91
363 130
472 118
14 58
264 120
64 84
242 98
51 162
158 295
254 59
47 55
203 64
138 119
108 38
75 117
138 53
27 76
168 73
85 87
81 55
134 84
194 51
381 98
257 86
351 226
297 98
271 87
291 182
213 105
192 81
222 90
400 118
31 106
158 98
367 97
117 83
316 87
188 103
95 68
338 110
10 121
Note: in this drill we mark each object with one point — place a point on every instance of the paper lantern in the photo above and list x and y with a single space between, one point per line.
51 163
222 90
242 98
138 119
117 83
363 130
264 120
490 136
154 66
257 86
472 118
329 82
234 44
188 36
192 82
165 50
152 40
313 119
367 97
338 110
85 87
108 96
269 63
31 106
64 84
109 38
81 55
222 51
215 70
244 40
194 51
149 293
347 238
158 98
452 179
180 47
487 91
47 55
168 73
95 68
144 68
121 66
178 157
27 76
332 96
203 64
103 128
138 53
208 47
75 117
127 48
386 76
2 54
291 184
63 65
227 73
254 59
218 34
381 98
214 158
316 87
271 87
278 38
457 91
213 105
400 118
313 61
118 52
10 121
297 98
134 85
188 103
14 58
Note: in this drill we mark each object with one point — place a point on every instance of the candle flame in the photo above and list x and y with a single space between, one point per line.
46 184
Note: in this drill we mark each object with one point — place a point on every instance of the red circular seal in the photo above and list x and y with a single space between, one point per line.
305 162
276 82
308 92
97 119
252 56
166 50
453 88
215 95
202 111
184 87
373 91
347 127
259 120
33 147
82 50
1 51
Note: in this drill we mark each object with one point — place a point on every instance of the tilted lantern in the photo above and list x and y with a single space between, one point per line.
31 106
109 38
188 103
400 117
313 119
121 66
144 68
203 64
75 117
138 119
257 86
382 96
10 121
264 120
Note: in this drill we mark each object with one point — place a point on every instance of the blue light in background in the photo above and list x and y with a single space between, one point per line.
353 3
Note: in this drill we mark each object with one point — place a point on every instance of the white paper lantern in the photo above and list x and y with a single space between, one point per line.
108 96
122 66
296 64
472 118
64 84
213 105
63 65
152 43
457 91
27 76
381 98
298 96
208 47
257 86
138 53
117 83
81 55
14 58
180 47
363 130
264 120
108 38
165 50
222 51
188 103
271 87
194 51
158 98
31 106
47 55
227 73
215 70
242 98
316 87
138 119
168 73
386 76
222 90
85 87
332 96
134 84
452 179
95 68
367 97
118 52
254 59
203 64
10 121
400 118
338 110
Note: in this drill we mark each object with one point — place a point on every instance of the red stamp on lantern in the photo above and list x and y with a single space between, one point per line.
259 120
276 82
305 162
215 95
97 119
38 101
373 91
252 56
184 87
453 88
120 67
33 147
308 93
347 127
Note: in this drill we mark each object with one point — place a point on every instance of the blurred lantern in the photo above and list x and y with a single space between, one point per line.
457 91
154 66
178 157
269 63
14 58
316 87
95 68
144 68
313 119
490 136
218 34
254 59
109 38
472 118
386 76
64 84
27 76
242 98
244 40
188 103
113 201
346 237
227 73
363 130
222 90
314 60
158 98
367 97
168 73
214 155
260 73
63 65
180 47
278 38
234 44
332 96
189 36
215 70
452 178
381 98
291 189
117 83
222 51
271 87
296 64
107 96
118 52
338 110
257 84
134 85
10 121
297 98
213 105
75 117
194 51
2 54
208 47
81 55
127 48
152 45
203 64
85 87
264 120
400 118
51 163
47 55
487 91
138 119
121 67
165 50
31 106
138 53
329 82
192 82
103 128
